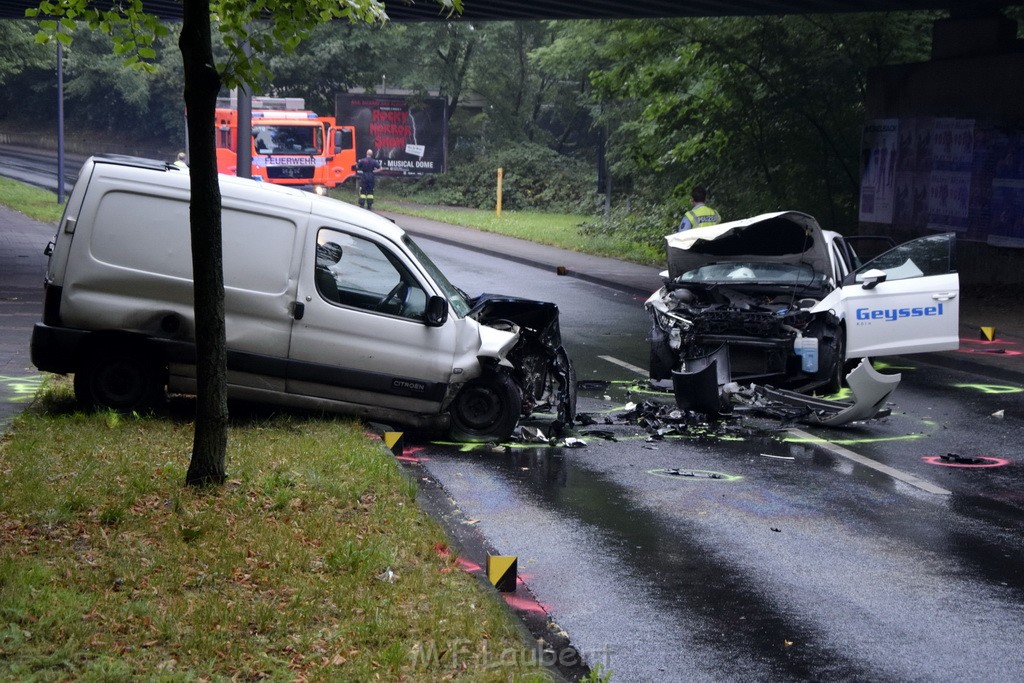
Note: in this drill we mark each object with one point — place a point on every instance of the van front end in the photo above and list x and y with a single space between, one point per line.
539 365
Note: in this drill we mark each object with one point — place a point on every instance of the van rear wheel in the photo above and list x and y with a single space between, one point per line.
122 381
486 409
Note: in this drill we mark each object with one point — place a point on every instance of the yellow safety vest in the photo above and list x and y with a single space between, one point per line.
702 216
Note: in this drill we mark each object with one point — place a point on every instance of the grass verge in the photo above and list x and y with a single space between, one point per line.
312 563
556 229
37 204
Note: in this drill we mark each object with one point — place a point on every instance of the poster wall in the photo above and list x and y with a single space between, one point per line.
408 136
949 193
1008 190
945 174
878 170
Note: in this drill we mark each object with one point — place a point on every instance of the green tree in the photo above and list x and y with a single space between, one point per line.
334 59
512 87
248 30
444 54
26 73
102 93
766 111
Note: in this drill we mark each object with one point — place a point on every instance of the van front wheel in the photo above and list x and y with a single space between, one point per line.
120 381
486 409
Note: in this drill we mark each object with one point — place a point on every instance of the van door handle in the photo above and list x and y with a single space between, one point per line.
944 296
298 310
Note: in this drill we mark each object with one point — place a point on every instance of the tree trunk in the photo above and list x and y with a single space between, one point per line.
202 84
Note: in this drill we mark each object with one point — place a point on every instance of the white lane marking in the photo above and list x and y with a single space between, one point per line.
900 475
624 364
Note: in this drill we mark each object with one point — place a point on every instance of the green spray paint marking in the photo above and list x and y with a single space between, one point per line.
840 395
882 365
851 442
23 388
991 388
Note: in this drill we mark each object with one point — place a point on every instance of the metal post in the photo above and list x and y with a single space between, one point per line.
243 145
60 123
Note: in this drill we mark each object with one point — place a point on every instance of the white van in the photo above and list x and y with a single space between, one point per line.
328 307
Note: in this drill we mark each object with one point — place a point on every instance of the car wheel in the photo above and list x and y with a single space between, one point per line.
124 381
486 409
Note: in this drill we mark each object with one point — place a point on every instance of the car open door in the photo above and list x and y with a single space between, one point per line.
905 301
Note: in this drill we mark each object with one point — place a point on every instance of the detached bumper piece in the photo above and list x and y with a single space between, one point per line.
704 385
871 391
702 382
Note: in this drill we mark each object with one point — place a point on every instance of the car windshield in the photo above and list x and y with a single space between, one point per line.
752 272
454 295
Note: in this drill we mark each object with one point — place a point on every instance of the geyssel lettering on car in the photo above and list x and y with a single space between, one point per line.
894 314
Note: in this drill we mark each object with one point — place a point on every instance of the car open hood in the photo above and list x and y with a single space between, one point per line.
781 237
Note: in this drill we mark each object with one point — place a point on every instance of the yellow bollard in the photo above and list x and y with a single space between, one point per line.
497 209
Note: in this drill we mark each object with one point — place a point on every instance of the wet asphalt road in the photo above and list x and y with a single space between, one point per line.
746 551
738 550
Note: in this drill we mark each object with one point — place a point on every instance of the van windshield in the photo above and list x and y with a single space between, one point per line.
455 296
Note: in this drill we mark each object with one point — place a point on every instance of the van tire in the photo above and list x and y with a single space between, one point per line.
120 380
486 409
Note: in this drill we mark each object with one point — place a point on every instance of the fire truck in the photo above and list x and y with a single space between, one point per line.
290 144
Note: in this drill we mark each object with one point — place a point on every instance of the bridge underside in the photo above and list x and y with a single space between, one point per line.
494 10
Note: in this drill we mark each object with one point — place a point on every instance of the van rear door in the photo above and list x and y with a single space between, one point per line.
362 338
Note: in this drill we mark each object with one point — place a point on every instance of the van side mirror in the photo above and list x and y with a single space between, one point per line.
437 311
871 278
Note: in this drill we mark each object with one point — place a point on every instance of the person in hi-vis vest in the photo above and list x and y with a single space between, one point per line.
701 215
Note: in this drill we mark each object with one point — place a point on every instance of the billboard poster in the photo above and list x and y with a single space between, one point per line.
952 159
409 136
913 173
878 170
1007 228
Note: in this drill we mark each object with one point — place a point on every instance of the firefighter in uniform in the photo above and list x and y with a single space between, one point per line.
367 168
701 215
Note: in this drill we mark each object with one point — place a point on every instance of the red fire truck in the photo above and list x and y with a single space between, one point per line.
290 144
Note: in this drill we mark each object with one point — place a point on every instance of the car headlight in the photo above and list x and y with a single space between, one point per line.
668 320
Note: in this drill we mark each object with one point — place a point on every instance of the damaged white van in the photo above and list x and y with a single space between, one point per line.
327 307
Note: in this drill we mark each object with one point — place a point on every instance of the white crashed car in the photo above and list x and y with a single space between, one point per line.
776 300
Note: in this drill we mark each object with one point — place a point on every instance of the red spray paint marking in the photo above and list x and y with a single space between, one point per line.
989 348
467 566
523 604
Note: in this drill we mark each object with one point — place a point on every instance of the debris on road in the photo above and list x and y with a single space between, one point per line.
961 459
